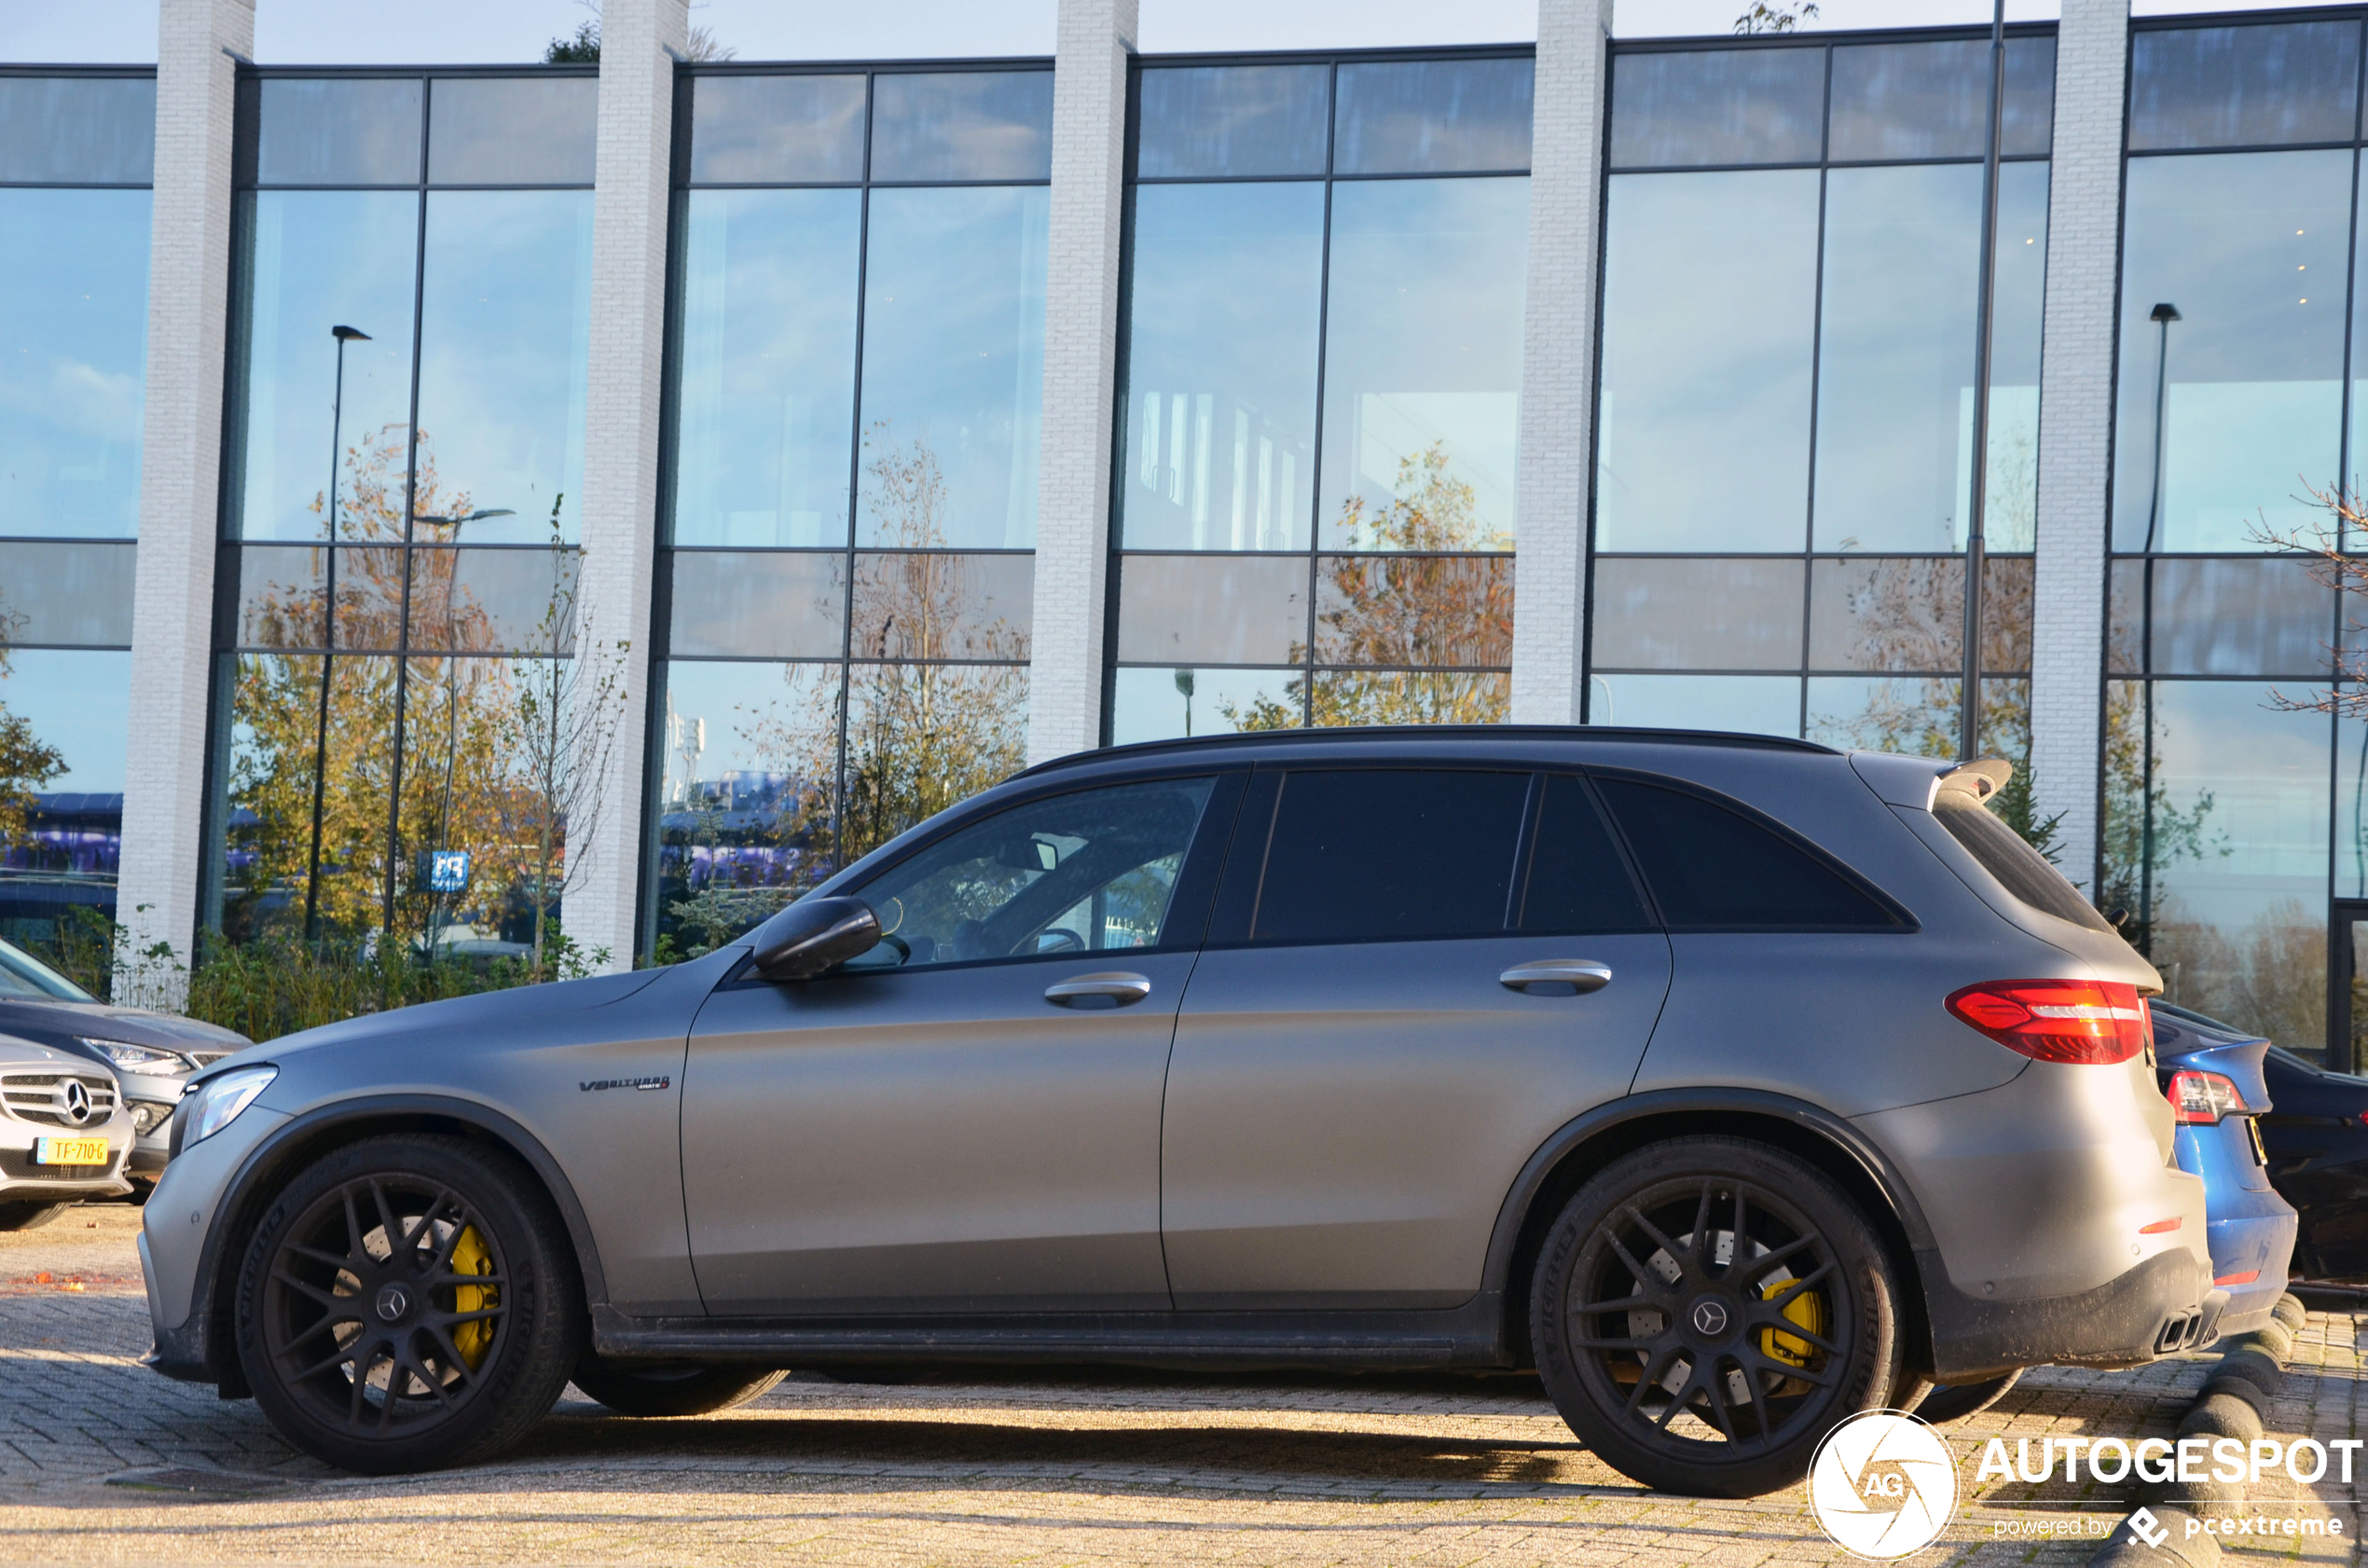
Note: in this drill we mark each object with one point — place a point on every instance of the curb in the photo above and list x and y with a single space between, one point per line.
2232 1402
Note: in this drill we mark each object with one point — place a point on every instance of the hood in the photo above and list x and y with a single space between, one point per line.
537 1002
18 1054
135 1025
2238 1057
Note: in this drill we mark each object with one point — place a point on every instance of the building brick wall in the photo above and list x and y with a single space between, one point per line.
199 43
2076 422
1081 375
639 40
1558 363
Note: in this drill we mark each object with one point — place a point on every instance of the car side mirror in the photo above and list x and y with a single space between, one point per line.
813 935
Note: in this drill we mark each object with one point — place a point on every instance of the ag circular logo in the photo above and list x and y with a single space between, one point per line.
1710 1318
1882 1485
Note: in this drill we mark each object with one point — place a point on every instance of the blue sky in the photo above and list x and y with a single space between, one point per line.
442 31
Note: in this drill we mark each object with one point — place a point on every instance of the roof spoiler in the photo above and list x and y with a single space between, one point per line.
1980 779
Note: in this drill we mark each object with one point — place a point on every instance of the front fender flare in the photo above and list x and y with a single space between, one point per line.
243 1195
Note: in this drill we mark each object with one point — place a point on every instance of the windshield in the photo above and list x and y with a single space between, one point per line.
22 975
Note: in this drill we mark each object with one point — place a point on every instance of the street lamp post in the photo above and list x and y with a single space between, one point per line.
1978 496
344 335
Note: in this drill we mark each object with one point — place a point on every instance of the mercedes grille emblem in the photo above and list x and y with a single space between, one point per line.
77 1102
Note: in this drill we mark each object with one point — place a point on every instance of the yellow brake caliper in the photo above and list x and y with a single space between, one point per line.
1808 1309
475 1338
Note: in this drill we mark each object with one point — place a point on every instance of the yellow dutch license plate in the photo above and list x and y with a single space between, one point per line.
70 1151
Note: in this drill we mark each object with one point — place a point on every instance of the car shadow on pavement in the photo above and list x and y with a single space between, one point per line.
1096 1455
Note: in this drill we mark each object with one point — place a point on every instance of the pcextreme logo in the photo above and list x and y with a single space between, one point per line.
1883 1485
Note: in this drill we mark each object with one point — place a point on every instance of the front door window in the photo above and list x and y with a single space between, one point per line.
1083 873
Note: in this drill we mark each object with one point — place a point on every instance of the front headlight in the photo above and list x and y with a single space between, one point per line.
138 1058
217 1102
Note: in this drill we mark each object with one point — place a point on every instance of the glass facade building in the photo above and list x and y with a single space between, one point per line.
1325 281
2236 450
77 158
1784 438
1322 341
403 455
857 385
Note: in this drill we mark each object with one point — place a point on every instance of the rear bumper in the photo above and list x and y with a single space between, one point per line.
2164 1304
2261 1244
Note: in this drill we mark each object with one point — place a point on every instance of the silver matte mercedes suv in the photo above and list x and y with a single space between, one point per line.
1733 1084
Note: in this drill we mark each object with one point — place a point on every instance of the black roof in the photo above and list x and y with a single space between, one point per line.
1259 740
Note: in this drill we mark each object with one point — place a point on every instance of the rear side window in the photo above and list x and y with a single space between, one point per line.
1577 881
2021 870
1371 854
1713 868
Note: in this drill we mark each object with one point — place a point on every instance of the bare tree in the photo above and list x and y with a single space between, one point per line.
566 704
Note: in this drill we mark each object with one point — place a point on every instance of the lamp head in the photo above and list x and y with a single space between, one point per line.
2164 313
348 335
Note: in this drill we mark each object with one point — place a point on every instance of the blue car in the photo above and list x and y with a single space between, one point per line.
2211 1073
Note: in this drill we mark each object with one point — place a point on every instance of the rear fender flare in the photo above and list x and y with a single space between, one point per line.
1519 1219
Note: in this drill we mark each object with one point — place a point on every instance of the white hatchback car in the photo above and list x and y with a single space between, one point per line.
64 1133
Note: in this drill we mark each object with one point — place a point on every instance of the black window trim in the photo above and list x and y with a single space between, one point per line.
1905 921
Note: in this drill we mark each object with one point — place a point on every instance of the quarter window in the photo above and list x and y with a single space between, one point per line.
1088 872
1371 854
1710 868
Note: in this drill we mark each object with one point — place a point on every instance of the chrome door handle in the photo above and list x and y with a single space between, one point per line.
1115 989
1546 977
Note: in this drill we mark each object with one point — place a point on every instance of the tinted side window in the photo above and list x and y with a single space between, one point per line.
1082 872
1713 868
1368 854
1577 881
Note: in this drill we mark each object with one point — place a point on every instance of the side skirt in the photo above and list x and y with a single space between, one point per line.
1466 1338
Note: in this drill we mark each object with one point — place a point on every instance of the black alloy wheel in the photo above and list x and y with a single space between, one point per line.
1705 1309
408 1303
670 1391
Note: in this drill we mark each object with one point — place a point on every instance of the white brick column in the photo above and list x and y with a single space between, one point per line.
1081 375
1558 362
180 474
2076 423
626 359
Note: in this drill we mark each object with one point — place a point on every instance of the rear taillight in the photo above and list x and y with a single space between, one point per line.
2198 1097
2098 1020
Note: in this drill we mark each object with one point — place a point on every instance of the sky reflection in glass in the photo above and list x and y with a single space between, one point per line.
1422 360
1896 366
505 323
1710 297
319 259
73 336
953 368
2250 248
768 352
1220 405
79 701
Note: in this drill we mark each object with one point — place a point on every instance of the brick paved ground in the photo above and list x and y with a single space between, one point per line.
1144 1471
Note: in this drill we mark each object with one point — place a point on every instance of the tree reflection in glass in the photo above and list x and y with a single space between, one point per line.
920 724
